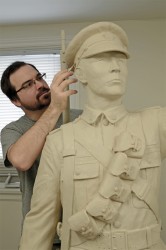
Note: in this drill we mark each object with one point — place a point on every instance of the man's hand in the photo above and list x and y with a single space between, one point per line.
60 91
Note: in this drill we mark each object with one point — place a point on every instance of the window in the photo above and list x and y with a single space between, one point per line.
46 63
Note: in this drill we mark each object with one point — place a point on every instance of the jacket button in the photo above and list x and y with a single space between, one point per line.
104 210
105 122
116 189
83 229
77 173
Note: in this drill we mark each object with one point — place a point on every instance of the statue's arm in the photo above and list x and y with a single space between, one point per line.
40 223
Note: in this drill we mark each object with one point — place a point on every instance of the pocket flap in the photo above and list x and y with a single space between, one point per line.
86 168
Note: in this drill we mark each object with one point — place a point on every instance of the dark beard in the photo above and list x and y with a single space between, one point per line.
39 104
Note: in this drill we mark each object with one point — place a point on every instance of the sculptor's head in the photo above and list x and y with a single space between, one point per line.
99 53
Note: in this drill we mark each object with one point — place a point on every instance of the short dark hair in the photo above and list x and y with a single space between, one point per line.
6 86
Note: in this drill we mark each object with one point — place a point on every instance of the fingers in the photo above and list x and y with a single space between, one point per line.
59 89
71 92
60 77
62 80
64 84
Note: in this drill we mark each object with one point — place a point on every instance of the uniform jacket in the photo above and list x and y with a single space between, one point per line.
115 158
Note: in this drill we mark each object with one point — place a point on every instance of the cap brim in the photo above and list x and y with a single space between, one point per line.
105 46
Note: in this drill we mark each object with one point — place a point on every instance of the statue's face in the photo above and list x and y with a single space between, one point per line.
106 73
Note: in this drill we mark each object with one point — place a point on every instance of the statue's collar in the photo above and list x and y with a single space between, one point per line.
112 114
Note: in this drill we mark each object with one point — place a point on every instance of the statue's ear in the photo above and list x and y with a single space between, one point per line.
80 75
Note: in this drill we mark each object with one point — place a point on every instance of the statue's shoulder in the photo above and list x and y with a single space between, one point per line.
67 126
149 117
147 110
55 131
150 109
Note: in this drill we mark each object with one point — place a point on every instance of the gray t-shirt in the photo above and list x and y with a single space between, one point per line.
9 135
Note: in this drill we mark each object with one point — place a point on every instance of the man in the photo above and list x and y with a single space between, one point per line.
104 168
23 140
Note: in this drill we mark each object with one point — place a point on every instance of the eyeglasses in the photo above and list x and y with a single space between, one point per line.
28 84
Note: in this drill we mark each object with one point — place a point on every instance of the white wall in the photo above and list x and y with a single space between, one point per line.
147 65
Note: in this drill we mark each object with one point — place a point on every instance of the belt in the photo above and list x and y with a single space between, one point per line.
125 239
134 239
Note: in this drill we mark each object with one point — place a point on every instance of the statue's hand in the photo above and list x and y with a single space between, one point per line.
85 225
103 209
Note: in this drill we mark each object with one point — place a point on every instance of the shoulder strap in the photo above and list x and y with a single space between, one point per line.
150 128
68 159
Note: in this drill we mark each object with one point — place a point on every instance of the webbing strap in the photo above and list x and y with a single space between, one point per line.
68 154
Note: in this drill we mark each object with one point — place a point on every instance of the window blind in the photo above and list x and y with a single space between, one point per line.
45 63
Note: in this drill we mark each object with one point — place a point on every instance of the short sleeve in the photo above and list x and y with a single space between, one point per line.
9 135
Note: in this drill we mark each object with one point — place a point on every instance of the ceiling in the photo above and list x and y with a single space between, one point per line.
15 12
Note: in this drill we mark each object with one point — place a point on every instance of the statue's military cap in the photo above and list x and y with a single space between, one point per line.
94 39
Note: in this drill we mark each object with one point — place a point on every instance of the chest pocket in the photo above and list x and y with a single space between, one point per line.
86 167
86 180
